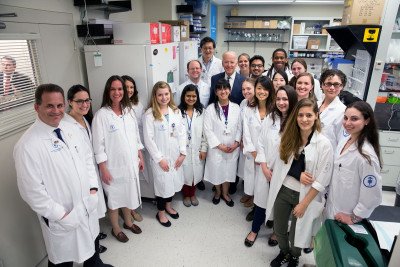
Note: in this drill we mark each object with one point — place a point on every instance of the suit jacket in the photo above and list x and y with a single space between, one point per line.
236 90
19 82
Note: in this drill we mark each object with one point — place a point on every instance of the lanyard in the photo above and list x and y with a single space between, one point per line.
189 123
227 113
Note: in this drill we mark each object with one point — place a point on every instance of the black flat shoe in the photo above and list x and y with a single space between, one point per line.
216 200
173 216
166 224
230 203
102 236
249 243
307 250
201 186
102 249
272 242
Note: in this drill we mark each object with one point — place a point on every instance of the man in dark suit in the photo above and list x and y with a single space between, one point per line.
229 62
13 83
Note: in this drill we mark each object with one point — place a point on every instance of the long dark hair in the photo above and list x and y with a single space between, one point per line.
369 132
107 102
283 74
70 97
267 84
292 97
135 97
222 83
197 106
272 65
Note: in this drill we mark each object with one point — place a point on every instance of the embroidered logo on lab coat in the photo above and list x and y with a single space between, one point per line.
369 181
113 128
56 146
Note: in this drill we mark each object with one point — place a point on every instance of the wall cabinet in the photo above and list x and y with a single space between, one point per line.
258 29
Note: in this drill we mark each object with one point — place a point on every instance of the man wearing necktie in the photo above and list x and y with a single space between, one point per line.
229 62
13 83
56 176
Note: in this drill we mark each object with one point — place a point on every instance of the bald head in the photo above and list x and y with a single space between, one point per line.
229 62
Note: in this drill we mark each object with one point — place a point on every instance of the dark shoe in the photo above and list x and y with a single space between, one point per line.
134 228
281 259
270 224
102 236
293 261
230 203
249 243
307 250
166 224
121 237
272 242
173 216
232 188
250 215
216 200
102 249
201 186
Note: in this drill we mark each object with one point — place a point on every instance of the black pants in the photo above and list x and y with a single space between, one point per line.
93 261
161 202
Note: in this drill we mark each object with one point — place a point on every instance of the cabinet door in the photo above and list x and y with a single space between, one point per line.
390 174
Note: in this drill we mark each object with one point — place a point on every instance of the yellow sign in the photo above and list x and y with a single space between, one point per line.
371 35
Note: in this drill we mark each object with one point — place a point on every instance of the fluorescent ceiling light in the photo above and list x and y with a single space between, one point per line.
264 1
319 1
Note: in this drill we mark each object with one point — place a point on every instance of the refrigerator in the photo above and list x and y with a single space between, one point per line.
187 51
146 64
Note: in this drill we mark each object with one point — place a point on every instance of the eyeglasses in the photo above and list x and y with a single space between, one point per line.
336 85
81 101
257 65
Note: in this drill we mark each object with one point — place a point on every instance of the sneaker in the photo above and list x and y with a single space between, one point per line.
281 259
293 261
187 202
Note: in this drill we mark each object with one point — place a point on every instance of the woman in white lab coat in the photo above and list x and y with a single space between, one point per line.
139 111
299 66
267 151
223 132
248 93
305 86
80 114
117 148
331 109
301 173
165 139
356 187
253 117
196 145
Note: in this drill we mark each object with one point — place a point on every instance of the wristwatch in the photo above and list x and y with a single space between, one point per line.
354 218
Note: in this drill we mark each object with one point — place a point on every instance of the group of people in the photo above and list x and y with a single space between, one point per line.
303 155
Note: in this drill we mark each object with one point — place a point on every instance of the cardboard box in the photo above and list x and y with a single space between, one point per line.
324 31
296 28
184 25
313 43
273 24
227 25
265 24
235 11
165 33
136 33
258 24
175 33
362 12
236 24
249 23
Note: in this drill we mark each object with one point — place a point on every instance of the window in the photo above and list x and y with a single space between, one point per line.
19 77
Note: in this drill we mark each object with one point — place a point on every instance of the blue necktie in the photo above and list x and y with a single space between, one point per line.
58 133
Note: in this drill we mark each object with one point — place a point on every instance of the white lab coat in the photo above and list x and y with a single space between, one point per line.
55 178
267 151
331 120
319 161
356 185
116 141
87 137
221 167
204 92
193 167
215 68
165 139
251 130
240 168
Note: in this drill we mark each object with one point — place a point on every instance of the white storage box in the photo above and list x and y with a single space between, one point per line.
300 42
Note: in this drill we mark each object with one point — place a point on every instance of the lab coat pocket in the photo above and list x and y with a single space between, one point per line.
92 202
346 177
119 175
69 223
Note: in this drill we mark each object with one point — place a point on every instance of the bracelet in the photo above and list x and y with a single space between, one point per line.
354 218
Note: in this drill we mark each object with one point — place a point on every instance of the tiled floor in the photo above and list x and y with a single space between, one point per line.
206 235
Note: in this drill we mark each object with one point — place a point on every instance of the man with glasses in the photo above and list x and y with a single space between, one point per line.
56 176
194 77
210 64
256 66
